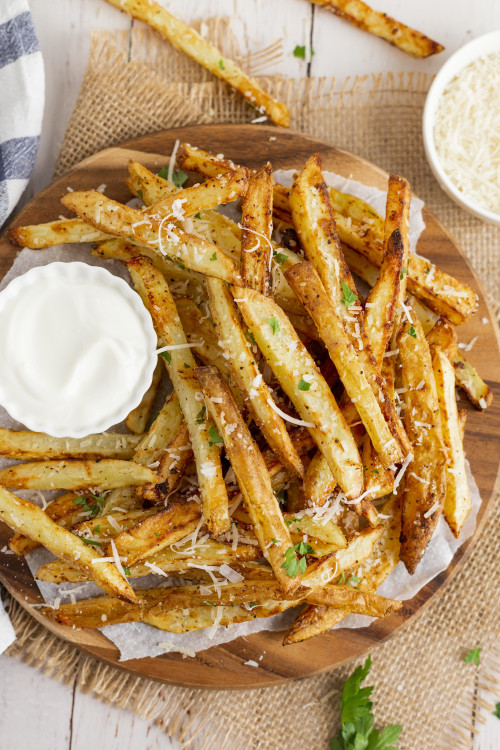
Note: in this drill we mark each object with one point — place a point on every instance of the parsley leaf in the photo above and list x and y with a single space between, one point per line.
473 657
375 471
295 558
200 417
167 356
179 178
139 193
300 51
280 258
163 173
341 579
304 385
252 604
97 528
197 216
349 297
353 579
214 436
126 570
496 712
357 732
273 322
92 542
412 332
251 337
208 604
213 256
404 271
221 64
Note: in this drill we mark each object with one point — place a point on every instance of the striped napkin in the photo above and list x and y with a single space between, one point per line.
22 91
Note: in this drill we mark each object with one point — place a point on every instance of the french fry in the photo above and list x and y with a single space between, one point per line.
425 483
37 446
107 474
257 227
457 503
181 247
28 519
165 426
176 458
155 294
62 510
109 525
245 372
60 232
319 482
137 419
314 401
188 41
360 14
251 473
303 524
376 416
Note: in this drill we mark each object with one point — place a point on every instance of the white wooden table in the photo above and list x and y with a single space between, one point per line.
34 709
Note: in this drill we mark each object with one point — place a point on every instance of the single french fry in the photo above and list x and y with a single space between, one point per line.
304 385
251 473
457 503
360 14
109 525
257 227
60 232
376 416
425 482
155 294
176 458
137 419
319 482
28 519
62 510
107 474
37 446
243 366
188 41
164 239
303 524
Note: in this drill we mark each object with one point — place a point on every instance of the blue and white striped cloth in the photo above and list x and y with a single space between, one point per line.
22 92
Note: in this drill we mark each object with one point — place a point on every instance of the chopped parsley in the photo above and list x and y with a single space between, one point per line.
167 356
92 542
353 579
341 579
252 605
304 385
221 64
92 509
412 332
496 712
213 256
295 558
208 604
349 297
157 533
251 337
197 216
280 258
281 495
274 541
403 273
186 366
139 193
179 178
126 570
273 322
473 657
214 436
181 265
163 173
357 732
374 471
200 417
97 528
300 51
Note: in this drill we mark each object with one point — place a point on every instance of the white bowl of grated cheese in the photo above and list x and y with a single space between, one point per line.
461 127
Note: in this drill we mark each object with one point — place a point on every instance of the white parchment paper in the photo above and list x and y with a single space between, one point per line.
138 640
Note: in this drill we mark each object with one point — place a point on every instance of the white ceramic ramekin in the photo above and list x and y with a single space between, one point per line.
131 396
483 45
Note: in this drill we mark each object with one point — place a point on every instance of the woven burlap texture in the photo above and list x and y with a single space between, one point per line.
134 85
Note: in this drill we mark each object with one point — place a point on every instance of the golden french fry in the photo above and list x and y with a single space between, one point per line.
360 14
251 474
425 482
155 294
164 239
35 446
176 458
257 227
109 525
243 366
457 503
60 232
319 482
62 510
28 519
137 419
188 41
304 385
107 474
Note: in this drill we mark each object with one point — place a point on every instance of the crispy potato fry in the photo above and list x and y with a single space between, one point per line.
354 600
186 40
379 481
360 14
62 510
109 525
251 474
137 419
60 232
155 294
257 227
243 366
302 524
183 248
376 416
319 482
457 503
37 446
166 424
425 481
28 519
176 458
107 474
304 385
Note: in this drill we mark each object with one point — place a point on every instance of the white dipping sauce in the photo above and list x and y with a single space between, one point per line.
71 351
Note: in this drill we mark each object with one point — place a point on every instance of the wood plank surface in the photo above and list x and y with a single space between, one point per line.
223 666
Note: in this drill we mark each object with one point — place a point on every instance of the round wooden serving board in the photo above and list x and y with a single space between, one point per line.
224 666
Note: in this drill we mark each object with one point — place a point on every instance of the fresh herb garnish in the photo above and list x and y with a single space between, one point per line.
412 332
126 570
221 64
208 604
281 495
97 528
197 216
341 579
186 366
178 262
404 271
167 356
357 732
92 509
139 193
214 436
274 541
300 51
92 542
252 604
251 337
304 385
473 657
213 256
273 322
200 417
179 178
496 712
374 471
163 173
295 560
280 258
349 297
352 580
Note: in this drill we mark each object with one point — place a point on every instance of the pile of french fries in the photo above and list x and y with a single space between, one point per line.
312 438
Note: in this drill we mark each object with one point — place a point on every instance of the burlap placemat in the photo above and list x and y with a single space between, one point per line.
138 84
